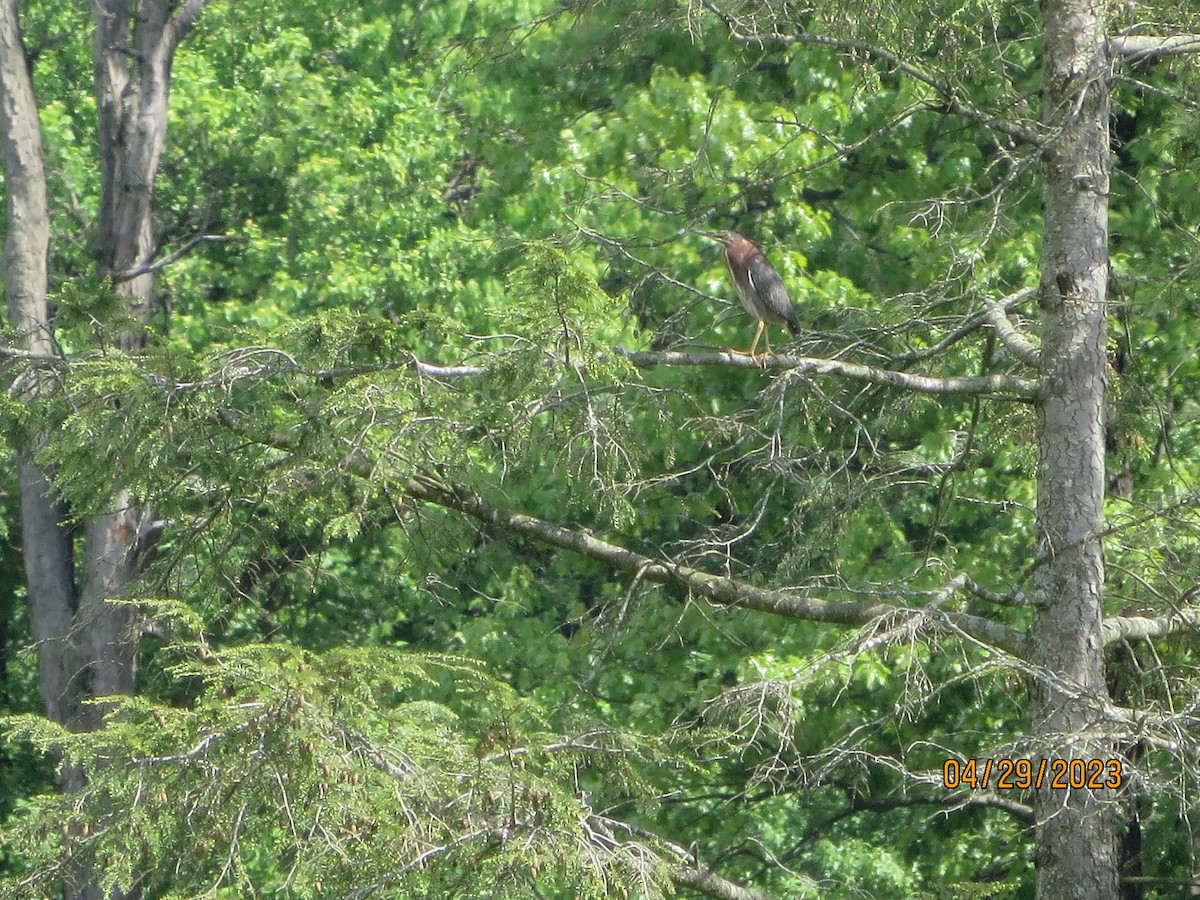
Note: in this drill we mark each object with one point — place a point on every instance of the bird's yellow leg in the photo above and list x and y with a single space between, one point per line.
757 335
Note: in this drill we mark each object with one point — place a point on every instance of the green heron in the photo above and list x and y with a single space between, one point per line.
758 284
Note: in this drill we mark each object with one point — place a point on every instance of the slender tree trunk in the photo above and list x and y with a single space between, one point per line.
47 545
133 50
131 69
46 542
132 55
1076 845
87 646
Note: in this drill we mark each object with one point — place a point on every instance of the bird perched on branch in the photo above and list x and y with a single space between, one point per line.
758 284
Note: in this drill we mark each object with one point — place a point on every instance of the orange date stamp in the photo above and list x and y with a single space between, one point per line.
1023 774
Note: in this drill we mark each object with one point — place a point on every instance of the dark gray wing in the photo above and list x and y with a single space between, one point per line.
775 304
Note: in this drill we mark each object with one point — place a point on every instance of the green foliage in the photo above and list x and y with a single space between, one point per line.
390 696
344 773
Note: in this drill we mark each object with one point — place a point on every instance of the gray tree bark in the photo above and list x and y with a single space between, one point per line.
87 646
1076 844
47 546
133 49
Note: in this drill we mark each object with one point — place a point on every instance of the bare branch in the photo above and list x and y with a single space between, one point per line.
50 360
717 589
1015 597
188 246
245 366
964 582
1155 90
689 873
713 885
1002 386
1018 345
969 324
1134 48
262 362
953 799
998 385
1120 628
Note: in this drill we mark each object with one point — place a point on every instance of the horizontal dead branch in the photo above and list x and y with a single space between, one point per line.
1120 628
264 362
716 589
998 385
711 884
952 800
1133 48
51 360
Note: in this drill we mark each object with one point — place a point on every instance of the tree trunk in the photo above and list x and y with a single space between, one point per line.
87 646
1076 845
131 72
46 542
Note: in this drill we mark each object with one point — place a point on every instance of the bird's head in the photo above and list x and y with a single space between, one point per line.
725 238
